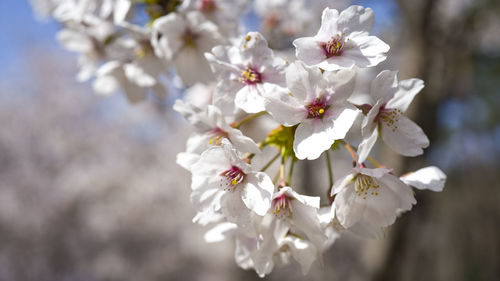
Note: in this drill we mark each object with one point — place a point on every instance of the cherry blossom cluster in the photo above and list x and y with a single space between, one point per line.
308 97
237 80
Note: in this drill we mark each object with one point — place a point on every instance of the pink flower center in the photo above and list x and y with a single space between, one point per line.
317 108
232 177
335 46
282 205
208 6
250 76
216 136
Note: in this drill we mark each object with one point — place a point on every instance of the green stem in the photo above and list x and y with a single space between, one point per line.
270 162
290 171
248 118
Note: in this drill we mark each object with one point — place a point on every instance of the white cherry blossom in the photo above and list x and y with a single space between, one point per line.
226 184
384 116
183 39
211 128
245 72
317 102
370 198
343 41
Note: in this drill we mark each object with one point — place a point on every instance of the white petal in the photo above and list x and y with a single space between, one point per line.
343 123
404 136
431 178
356 18
312 137
302 251
224 95
257 193
212 162
186 160
366 146
233 207
284 108
328 28
384 86
302 80
220 232
342 82
408 89
309 51
192 67
249 99
342 183
241 142
368 51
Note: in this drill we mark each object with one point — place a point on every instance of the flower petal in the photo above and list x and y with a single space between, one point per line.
404 136
431 178
356 18
408 89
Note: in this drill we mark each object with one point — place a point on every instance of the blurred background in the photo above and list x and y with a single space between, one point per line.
89 188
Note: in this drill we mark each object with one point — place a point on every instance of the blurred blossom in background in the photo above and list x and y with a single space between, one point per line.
89 188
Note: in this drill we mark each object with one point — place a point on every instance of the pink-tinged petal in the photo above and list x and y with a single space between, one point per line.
284 108
431 178
356 18
309 50
257 193
312 137
302 80
408 89
404 136
249 99
366 146
384 86
328 27
366 51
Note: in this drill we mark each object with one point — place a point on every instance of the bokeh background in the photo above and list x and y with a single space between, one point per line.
89 188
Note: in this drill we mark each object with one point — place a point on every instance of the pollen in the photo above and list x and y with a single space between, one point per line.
250 76
232 178
317 108
365 185
390 118
216 136
282 206
335 46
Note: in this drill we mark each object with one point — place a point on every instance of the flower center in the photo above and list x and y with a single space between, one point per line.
390 117
189 38
232 177
334 46
317 108
216 136
365 185
282 205
208 6
250 76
